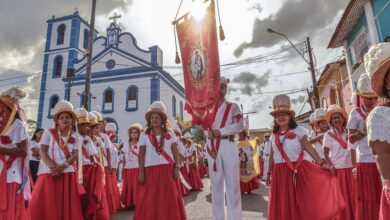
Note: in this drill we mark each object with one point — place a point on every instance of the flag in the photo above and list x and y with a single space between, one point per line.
200 61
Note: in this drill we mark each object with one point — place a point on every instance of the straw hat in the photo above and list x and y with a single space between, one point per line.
63 107
364 88
111 127
281 103
99 116
311 119
224 80
12 96
176 129
335 109
188 136
267 135
82 115
136 126
319 115
92 119
156 107
377 63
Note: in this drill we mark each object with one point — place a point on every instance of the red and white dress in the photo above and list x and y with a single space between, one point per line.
194 176
114 179
368 181
378 129
340 156
159 197
14 173
56 198
94 202
130 175
300 189
318 145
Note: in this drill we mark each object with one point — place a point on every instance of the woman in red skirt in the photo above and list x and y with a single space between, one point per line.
299 188
56 194
201 156
183 182
368 181
254 183
192 161
338 154
93 173
14 179
130 171
377 62
159 167
111 133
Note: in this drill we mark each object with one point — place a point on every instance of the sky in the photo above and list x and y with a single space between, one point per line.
259 64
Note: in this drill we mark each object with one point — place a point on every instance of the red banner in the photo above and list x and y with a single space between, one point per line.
199 52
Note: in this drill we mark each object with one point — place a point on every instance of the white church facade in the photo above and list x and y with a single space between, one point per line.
125 78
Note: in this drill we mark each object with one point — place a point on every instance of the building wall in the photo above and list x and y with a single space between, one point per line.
381 10
360 25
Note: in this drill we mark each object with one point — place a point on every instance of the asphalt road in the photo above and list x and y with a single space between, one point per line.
198 205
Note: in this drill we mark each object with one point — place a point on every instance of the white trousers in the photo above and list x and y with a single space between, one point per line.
266 161
226 179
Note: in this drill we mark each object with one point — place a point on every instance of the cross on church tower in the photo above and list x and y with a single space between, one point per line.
114 17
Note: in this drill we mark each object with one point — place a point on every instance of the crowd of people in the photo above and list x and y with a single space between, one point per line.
337 168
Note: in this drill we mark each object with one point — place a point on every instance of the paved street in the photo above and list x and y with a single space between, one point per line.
198 205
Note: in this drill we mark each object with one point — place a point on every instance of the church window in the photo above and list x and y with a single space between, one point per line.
61 34
86 39
108 100
57 70
132 98
181 110
52 103
173 106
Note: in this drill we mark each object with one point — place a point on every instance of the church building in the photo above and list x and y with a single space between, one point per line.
126 79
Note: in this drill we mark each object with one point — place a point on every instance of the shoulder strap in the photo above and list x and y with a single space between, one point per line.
361 113
225 114
63 146
337 138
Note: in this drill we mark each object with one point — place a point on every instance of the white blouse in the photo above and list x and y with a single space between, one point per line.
17 133
130 157
340 157
317 145
55 153
292 147
378 124
152 158
90 148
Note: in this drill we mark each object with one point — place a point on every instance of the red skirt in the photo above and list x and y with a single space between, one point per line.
315 195
129 189
56 198
16 208
93 204
183 190
347 186
384 213
159 197
195 180
115 190
202 169
249 186
261 165
368 188
108 187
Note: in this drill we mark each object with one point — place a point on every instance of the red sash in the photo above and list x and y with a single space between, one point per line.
340 140
3 180
215 146
132 150
292 167
66 152
362 113
320 140
85 153
162 151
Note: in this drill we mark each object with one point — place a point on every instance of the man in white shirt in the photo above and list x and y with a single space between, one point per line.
223 158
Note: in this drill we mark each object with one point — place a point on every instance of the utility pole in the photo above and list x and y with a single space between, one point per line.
88 74
70 74
313 75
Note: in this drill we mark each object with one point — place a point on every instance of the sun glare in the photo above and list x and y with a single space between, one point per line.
198 9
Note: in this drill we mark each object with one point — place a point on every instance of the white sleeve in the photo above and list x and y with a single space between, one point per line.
45 140
107 142
352 121
173 137
327 142
142 141
19 134
238 122
300 131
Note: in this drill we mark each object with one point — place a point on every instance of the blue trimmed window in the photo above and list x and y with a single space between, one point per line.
181 111
132 98
86 39
173 106
52 103
57 66
61 34
108 100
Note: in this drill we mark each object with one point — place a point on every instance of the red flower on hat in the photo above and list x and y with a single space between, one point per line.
167 136
71 140
291 135
5 140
